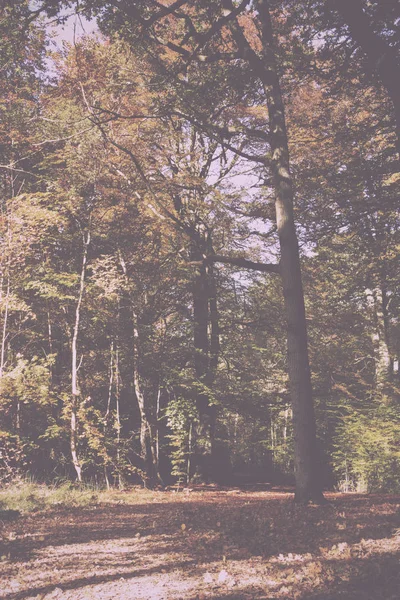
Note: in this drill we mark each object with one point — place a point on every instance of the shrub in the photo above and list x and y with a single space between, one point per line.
367 456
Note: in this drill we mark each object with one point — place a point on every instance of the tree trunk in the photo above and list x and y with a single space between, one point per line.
214 326
74 366
4 327
148 428
203 436
5 298
108 410
383 58
148 425
383 363
118 425
308 486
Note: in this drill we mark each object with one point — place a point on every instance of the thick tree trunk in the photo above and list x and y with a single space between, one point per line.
308 486
214 326
203 435
383 58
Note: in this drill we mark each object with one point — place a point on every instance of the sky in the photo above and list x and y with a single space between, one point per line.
74 28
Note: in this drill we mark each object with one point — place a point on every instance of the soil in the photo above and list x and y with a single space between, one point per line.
206 543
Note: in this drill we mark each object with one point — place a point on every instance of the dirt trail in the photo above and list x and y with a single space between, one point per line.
214 544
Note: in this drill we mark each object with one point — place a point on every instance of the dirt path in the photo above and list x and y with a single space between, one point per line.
213 544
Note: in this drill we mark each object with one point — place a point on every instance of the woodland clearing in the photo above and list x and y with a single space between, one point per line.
204 543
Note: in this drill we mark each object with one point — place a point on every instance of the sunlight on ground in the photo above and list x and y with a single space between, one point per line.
205 545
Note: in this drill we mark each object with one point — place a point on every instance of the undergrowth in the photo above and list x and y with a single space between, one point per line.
28 496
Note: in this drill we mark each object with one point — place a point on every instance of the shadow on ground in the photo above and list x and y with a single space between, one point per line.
179 545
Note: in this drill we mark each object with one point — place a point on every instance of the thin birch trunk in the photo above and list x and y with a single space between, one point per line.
190 451
110 382
158 411
273 438
118 415
285 425
147 430
108 410
50 342
4 328
74 366
383 362
6 276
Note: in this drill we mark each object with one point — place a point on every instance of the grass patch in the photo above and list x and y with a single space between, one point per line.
26 496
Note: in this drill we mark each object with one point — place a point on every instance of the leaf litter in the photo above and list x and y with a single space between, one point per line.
206 544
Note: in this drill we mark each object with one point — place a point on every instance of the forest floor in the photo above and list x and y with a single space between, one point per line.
205 543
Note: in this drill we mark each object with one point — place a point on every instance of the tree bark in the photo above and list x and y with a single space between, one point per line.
308 486
74 366
204 434
214 326
148 435
4 327
242 263
383 362
148 426
5 298
108 410
118 425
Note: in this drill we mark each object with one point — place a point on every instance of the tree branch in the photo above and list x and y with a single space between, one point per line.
243 263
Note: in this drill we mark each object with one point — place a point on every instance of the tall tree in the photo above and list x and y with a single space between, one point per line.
208 45
376 36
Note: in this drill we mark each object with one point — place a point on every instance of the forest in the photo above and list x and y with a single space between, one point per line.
199 299
199 230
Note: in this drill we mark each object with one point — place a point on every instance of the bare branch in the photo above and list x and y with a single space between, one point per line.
243 263
218 133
